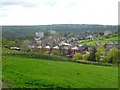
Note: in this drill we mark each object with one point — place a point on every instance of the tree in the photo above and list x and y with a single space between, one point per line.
92 54
69 35
61 49
100 53
97 35
7 43
25 45
113 54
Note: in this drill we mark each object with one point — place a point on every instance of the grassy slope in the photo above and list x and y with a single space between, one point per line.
102 41
30 72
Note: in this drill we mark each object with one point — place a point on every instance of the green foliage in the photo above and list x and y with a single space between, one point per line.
70 35
56 52
86 56
100 52
94 63
77 56
92 54
113 54
22 31
25 45
6 43
106 59
23 72
33 55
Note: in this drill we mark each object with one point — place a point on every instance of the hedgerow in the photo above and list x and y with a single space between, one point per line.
36 55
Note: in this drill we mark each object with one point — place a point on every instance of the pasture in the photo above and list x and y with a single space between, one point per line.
24 72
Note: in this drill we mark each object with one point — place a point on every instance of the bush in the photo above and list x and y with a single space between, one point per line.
86 56
77 56
93 63
114 56
56 53
106 59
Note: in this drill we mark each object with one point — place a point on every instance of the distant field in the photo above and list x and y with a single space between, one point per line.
102 41
38 73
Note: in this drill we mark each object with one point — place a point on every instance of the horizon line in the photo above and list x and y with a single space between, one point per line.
56 24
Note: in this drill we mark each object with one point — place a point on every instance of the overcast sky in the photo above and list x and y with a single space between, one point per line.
42 12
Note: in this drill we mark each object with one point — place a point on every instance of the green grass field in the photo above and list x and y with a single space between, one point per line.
23 72
102 41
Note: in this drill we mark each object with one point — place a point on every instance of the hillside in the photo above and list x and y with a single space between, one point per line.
23 72
102 41
18 31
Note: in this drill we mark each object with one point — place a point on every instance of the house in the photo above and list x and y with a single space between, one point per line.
14 48
64 44
107 33
64 48
31 46
39 34
86 52
39 47
56 47
90 37
111 45
75 49
51 41
89 49
48 48
97 44
55 50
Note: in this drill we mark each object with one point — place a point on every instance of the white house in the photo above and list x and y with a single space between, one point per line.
56 47
39 34
14 48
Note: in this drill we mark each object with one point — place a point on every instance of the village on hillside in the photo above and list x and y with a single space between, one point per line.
69 44
59 44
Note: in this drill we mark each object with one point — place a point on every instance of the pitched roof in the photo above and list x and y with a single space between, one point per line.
75 48
47 47
56 47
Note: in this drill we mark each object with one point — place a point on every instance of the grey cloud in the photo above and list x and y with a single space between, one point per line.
17 2
28 3
10 2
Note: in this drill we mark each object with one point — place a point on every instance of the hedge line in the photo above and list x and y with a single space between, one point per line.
52 57
94 63
36 55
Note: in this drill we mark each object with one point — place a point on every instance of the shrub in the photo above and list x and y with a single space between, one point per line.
114 56
86 56
106 59
56 52
93 63
77 56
